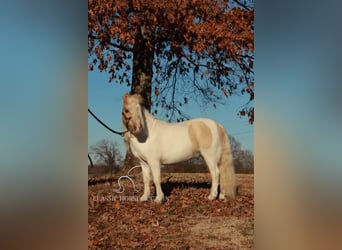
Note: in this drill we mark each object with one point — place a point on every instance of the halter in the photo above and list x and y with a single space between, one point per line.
126 120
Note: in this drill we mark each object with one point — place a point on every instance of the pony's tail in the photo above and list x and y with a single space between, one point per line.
226 167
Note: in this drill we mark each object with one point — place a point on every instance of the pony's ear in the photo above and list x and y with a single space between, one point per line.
125 96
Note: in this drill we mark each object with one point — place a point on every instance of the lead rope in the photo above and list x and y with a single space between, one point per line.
128 176
103 124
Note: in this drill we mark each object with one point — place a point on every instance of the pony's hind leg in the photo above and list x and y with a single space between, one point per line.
146 171
214 171
155 169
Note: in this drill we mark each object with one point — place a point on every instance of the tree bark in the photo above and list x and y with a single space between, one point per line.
143 53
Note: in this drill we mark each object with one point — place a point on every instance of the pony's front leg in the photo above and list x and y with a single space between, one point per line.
146 171
155 169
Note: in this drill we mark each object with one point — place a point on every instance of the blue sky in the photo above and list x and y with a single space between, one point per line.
105 100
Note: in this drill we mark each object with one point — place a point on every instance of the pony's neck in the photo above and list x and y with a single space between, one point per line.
148 122
149 118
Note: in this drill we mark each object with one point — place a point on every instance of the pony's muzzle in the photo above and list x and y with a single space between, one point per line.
134 128
137 128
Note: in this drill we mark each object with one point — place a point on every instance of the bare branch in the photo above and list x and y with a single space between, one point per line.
242 5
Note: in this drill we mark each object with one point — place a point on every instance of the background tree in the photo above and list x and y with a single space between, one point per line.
248 159
107 152
199 49
235 147
243 159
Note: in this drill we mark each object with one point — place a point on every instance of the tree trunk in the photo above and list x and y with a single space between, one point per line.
143 53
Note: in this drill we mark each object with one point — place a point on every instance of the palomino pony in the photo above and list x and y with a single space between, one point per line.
156 142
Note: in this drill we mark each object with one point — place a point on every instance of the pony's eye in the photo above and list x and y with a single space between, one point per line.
126 110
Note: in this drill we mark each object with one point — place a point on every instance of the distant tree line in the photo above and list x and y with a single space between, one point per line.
243 159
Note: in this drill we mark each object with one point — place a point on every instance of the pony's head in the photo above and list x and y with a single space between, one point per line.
131 113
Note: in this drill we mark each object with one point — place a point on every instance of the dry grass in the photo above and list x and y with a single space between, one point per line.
187 220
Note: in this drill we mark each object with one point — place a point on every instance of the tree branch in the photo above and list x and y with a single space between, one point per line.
119 46
242 5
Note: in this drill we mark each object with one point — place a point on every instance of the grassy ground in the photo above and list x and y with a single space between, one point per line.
186 220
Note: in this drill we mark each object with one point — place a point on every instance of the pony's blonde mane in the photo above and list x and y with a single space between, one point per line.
132 113
132 103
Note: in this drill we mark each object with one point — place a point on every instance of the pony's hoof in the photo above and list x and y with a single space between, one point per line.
144 198
212 197
159 199
222 197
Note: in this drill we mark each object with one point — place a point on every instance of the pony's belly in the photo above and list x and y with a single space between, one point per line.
165 153
175 156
